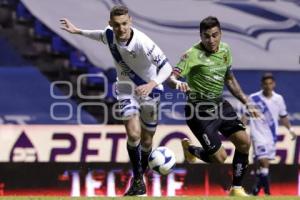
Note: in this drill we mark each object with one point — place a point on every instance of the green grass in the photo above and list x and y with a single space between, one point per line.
154 198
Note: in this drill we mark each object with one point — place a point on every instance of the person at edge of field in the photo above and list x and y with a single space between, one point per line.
264 131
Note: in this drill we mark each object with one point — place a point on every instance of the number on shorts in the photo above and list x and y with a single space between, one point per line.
206 140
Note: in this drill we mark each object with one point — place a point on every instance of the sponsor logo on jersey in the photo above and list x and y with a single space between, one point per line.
219 78
151 50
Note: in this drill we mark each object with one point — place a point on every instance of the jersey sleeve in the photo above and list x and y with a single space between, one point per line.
228 57
182 67
153 52
282 108
97 35
103 36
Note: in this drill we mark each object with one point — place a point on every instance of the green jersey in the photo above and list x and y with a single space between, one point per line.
204 72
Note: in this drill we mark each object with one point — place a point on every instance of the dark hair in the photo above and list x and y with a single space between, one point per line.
208 23
267 76
118 10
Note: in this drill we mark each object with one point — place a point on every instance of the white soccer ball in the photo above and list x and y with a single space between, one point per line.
162 160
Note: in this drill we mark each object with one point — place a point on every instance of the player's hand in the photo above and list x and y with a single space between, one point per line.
177 84
145 89
68 26
253 111
293 134
182 86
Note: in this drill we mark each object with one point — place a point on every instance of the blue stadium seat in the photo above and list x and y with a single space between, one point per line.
93 81
9 56
12 4
60 47
78 60
5 17
42 32
21 96
23 15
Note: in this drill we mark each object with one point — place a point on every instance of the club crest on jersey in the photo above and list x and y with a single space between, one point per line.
157 59
125 70
225 58
184 57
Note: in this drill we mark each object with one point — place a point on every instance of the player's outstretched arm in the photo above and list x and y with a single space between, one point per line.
234 87
69 27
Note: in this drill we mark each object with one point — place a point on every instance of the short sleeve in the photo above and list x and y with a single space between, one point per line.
282 107
103 37
182 67
228 58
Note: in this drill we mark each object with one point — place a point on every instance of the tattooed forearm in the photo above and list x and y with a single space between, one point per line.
234 87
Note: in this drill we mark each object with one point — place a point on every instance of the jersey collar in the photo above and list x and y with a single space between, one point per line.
130 42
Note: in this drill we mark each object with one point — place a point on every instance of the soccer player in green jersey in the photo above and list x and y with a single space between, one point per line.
207 68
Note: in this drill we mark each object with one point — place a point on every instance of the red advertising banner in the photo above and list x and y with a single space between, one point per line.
103 179
74 160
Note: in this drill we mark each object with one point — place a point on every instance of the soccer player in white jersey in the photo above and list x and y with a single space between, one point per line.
141 64
264 130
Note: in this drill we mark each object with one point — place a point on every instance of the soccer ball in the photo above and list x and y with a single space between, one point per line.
162 160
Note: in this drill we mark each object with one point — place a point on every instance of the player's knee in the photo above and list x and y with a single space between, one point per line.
244 147
134 138
248 145
146 140
242 143
219 157
134 133
147 143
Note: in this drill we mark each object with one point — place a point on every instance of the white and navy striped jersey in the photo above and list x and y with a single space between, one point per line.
265 130
141 56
